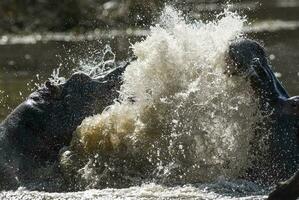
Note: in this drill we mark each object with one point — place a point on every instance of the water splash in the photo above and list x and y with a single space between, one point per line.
56 78
96 68
179 119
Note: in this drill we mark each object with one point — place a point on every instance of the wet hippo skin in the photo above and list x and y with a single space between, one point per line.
290 188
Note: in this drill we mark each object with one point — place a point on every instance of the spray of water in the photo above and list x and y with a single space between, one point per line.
56 78
179 118
96 68
91 66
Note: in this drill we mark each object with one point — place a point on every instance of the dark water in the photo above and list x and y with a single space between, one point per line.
31 59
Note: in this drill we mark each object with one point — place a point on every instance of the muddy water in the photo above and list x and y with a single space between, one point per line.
25 61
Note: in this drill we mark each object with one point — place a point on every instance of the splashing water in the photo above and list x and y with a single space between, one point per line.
179 119
90 66
97 69
56 78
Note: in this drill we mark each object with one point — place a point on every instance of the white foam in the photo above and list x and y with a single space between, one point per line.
217 191
189 122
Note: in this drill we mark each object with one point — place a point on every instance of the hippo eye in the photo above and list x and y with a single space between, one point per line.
294 105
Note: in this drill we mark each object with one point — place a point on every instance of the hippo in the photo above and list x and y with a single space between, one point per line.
247 58
33 134
290 188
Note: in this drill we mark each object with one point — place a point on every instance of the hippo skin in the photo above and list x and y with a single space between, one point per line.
247 58
289 189
32 135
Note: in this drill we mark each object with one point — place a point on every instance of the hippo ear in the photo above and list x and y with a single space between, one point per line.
55 90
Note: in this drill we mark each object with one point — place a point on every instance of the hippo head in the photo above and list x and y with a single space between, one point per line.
248 58
243 57
291 106
44 123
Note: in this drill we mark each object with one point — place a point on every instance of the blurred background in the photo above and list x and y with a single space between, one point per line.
37 36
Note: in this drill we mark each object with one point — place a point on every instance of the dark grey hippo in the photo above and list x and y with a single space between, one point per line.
248 58
289 189
32 135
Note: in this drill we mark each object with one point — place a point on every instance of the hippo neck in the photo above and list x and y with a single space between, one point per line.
271 92
282 93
